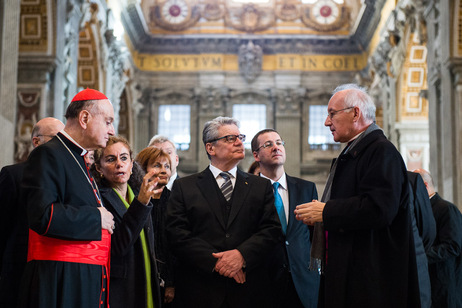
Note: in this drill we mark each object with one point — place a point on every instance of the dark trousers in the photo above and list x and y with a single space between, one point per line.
285 294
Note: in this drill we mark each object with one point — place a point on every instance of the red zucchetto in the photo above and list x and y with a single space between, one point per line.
88 94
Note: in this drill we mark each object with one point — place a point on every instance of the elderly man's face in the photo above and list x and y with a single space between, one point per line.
228 152
340 118
99 126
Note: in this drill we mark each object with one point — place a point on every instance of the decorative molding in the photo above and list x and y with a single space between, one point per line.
213 10
31 27
289 101
145 41
36 22
88 72
212 100
179 15
288 10
250 18
29 98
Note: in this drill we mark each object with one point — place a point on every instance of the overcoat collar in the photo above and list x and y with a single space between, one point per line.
113 199
363 144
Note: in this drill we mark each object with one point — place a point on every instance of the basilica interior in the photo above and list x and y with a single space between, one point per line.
169 66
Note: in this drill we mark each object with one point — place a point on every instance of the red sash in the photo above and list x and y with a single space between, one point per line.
88 252
52 249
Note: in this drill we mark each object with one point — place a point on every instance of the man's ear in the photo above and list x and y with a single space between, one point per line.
357 114
210 149
255 156
84 118
35 141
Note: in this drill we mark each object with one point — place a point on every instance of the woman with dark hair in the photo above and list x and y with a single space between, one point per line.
254 168
126 193
153 159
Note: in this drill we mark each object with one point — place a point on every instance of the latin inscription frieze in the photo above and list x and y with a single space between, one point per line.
222 62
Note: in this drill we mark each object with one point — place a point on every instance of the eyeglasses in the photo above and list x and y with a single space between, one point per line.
270 144
230 138
334 112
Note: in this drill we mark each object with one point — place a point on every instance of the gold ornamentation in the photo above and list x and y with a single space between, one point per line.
180 15
325 16
289 10
250 18
213 10
174 15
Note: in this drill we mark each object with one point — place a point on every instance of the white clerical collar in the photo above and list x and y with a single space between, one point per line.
216 172
74 142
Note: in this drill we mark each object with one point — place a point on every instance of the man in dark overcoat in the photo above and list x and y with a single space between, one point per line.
445 255
69 236
221 224
368 255
13 222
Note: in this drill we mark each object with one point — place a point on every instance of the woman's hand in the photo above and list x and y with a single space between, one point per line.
149 188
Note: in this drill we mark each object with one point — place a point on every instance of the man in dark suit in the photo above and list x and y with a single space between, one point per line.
445 255
292 283
424 232
221 224
13 222
69 236
365 210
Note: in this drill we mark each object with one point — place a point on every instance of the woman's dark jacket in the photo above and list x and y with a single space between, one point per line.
128 278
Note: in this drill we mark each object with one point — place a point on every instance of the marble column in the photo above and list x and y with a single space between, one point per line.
9 35
212 103
457 70
445 162
288 124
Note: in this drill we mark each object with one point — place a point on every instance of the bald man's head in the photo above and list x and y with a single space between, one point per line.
45 129
428 180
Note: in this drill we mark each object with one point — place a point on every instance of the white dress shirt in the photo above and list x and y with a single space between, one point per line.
283 192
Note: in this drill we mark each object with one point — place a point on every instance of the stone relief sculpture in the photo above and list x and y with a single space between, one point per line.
250 61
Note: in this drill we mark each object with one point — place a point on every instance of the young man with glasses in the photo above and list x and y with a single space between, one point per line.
292 283
221 225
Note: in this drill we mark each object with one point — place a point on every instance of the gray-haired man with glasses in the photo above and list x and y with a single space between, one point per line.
363 243
222 224
292 283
